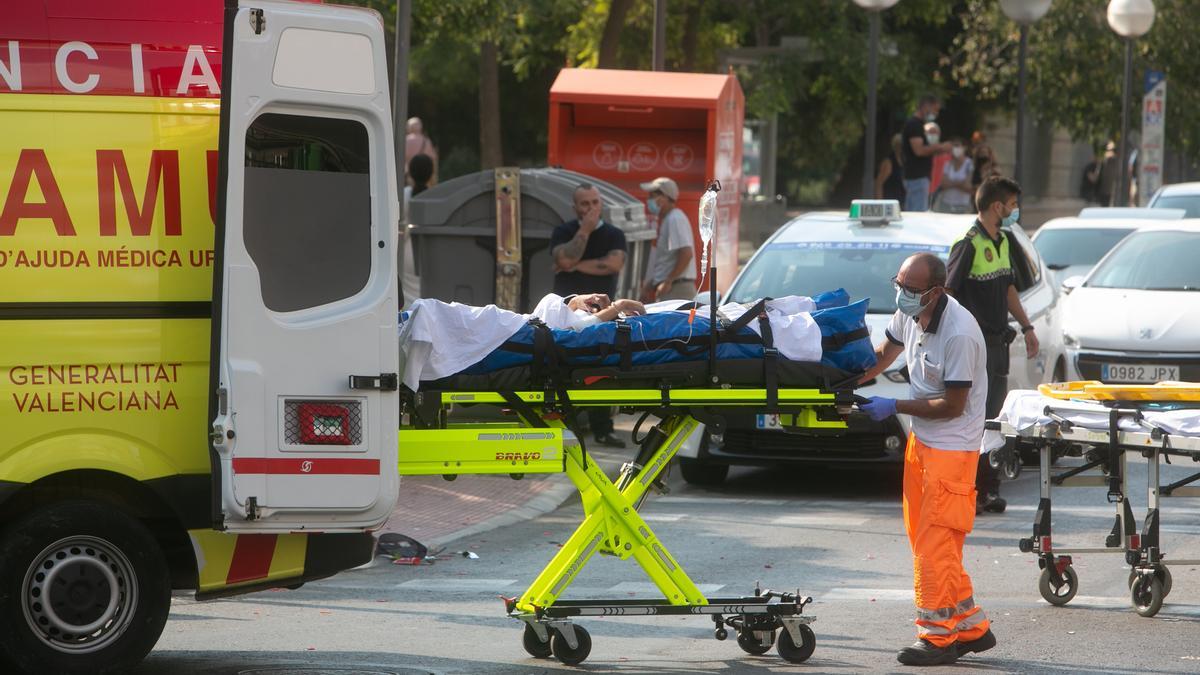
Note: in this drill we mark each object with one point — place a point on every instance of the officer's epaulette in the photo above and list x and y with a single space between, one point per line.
973 232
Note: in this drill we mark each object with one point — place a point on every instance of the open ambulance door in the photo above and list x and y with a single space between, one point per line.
304 402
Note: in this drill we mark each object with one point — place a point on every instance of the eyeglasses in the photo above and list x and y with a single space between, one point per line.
908 289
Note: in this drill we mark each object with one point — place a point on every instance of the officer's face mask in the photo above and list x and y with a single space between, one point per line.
1011 219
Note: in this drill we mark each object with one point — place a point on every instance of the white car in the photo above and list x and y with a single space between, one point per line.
1136 317
1184 196
827 250
1071 246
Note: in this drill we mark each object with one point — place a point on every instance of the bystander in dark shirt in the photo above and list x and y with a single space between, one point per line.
915 167
604 239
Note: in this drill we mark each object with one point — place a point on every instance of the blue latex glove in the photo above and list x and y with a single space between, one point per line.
879 408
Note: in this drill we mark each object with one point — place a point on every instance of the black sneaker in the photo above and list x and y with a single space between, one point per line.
994 503
923 653
980 644
610 441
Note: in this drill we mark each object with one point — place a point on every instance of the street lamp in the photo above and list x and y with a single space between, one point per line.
1024 12
873 7
1130 19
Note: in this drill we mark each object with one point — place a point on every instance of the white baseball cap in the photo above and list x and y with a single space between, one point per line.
664 185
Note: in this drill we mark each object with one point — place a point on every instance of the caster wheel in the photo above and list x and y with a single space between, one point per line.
1147 595
721 634
1163 574
796 653
1012 467
563 652
533 644
753 645
1064 593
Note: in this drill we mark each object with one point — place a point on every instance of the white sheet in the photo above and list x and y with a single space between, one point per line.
1024 409
440 339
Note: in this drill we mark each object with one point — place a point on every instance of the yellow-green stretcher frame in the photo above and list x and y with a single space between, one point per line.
612 524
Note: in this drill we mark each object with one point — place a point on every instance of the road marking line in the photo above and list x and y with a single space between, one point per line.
663 517
821 520
720 500
466 584
646 587
868 594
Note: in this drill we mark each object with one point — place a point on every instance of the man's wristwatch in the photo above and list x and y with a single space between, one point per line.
1026 329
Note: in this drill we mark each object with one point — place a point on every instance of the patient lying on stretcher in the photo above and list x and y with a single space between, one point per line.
439 339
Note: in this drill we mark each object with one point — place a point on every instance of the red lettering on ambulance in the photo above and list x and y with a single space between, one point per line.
164 168
33 163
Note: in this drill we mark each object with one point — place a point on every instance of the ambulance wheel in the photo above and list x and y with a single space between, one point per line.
698 472
1163 574
1064 593
752 645
563 651
793 653
533 644
1147 595
83 588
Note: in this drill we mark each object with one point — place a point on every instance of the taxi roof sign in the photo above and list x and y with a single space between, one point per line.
876 212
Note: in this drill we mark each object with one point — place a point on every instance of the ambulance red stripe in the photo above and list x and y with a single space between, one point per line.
251 557
323 466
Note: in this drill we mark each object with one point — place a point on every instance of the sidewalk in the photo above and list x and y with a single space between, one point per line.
435 511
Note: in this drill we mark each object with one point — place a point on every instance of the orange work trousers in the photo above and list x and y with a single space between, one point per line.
939 511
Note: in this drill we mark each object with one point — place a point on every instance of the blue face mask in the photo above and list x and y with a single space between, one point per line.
908 303
1011 219
652 205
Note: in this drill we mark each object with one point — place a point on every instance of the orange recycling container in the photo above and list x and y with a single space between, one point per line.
630 126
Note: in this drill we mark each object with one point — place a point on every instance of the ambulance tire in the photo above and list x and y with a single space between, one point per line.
119 594
699 472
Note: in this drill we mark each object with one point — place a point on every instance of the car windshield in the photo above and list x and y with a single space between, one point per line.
1083 246
1152 261
1189 203
864 269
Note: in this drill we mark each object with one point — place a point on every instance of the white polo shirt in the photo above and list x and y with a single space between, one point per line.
948 354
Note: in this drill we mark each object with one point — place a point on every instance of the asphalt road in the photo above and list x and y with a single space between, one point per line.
834 535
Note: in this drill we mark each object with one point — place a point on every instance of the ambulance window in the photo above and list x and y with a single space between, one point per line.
307 213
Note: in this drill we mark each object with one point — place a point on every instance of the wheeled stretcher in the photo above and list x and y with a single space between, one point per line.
533 437
1103 424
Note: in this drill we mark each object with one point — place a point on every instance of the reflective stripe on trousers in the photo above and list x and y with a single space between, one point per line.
939 510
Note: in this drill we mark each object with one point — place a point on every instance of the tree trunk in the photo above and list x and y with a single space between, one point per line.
491 154
691 35
611 38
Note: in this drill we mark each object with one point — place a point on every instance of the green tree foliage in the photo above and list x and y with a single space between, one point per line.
1076 62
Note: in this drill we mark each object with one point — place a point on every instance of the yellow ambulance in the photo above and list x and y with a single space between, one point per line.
198 314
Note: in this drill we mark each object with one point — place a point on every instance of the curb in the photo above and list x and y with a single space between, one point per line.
544 503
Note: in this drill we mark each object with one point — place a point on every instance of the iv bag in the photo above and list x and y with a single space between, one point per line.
708 222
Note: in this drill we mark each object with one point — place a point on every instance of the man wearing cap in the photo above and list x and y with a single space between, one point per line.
670 274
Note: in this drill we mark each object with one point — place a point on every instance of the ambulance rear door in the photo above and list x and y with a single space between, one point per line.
304 385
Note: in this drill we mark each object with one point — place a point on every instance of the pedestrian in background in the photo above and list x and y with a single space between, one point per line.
919 154
1110 175
933 134
982 280
1089 182
983 159
671 275
589 255
889 182
420 172
417 143
944 349
955 193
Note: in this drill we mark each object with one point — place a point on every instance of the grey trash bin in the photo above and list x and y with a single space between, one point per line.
453 230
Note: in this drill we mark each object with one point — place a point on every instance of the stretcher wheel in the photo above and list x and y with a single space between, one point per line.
1064 593
752 645
533 644
563 651
1147 595
1163 574
698 472
1011 466
791 652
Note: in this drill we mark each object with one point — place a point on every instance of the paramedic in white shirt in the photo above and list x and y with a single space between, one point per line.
947 366
671 274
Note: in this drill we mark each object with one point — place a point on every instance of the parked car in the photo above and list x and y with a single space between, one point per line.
828 250
1071 246
1184 196
1136 316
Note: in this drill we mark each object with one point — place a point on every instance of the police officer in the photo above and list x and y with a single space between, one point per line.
981 278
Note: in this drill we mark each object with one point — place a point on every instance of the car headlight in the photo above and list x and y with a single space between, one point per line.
1070 340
